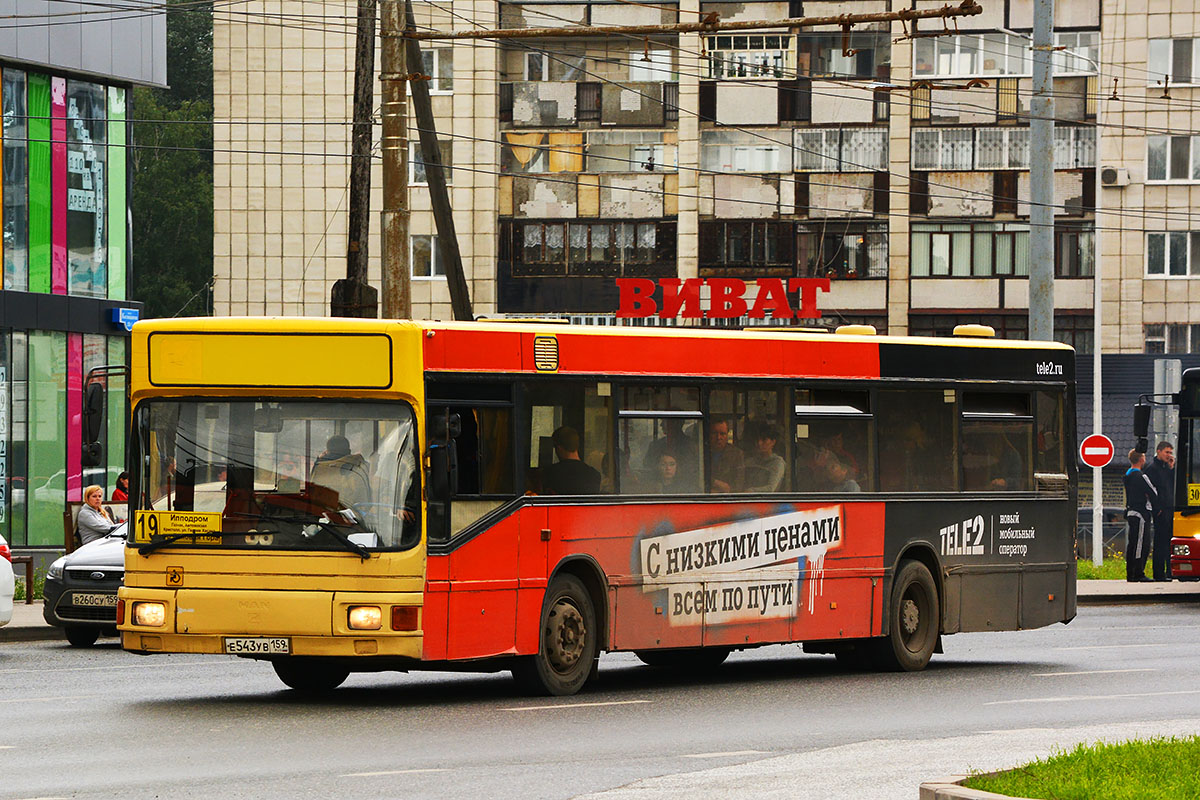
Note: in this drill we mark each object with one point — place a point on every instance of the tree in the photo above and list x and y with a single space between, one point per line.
171 159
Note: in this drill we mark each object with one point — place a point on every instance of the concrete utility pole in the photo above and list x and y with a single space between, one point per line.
1041 176
397 297
353 296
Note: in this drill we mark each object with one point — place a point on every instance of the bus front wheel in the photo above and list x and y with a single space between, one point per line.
568 642
914 618
308 675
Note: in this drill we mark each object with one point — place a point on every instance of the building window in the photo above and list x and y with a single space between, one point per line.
843 251
996 249
540 152
841 149
438 64
741 151
1172 339
650 66
428 260
950 149
1168 254
1172 158
416 163
824 55
636 248
769 56
1173 61
16 182
976 55
535 67
764 247
87 189
629 151
1072 329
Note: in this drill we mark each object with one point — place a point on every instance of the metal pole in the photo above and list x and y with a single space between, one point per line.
1041 177
393 78
709 24
1097 328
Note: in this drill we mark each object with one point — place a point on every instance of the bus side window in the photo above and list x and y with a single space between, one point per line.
997 434
1048 445
917 449
568 421
833 441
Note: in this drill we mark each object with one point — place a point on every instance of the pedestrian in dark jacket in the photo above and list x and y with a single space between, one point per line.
1141 501
1161 472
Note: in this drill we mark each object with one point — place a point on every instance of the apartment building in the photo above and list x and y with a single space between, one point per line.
895 165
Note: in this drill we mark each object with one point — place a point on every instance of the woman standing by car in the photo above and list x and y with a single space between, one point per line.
93 521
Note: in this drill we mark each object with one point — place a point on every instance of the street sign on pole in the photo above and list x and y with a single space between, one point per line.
1096 451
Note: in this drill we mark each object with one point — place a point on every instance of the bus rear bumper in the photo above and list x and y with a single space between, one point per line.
1185 558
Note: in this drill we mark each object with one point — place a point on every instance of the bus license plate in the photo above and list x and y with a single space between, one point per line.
241 646
94 600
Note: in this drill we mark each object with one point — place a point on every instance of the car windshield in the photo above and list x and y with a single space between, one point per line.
291 474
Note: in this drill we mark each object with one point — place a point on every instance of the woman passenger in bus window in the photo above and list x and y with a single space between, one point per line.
667 477
764 467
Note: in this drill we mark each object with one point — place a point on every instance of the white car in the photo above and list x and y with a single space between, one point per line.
6 583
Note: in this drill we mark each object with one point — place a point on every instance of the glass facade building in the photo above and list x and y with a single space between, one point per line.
65 262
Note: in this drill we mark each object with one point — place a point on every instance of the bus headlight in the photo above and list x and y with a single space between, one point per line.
1182 550
151 615
365 618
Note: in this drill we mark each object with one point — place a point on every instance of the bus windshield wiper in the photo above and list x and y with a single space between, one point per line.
150 547
324 524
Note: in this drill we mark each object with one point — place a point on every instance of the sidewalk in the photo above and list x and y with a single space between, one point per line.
28 625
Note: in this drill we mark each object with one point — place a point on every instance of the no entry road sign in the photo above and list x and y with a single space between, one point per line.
1096 450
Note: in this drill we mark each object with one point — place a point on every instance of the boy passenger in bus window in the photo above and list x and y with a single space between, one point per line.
569 474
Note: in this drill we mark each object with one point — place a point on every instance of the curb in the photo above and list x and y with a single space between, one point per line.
41 633
951 788
1135 599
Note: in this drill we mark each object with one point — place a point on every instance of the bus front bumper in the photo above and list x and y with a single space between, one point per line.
258 624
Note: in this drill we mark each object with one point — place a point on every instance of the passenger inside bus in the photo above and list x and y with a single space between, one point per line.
668 479
728 463
569 474
342 471
764 467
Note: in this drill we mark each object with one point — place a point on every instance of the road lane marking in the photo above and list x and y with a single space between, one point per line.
1113 646
1091 672
110 666
577 705
48 699
728 754
1077 697
389 772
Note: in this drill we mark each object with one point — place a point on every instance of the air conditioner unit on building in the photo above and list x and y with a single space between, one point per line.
1114 176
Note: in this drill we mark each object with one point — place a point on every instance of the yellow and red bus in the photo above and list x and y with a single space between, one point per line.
337 496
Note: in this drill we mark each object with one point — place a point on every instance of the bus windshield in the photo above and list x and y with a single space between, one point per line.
290 474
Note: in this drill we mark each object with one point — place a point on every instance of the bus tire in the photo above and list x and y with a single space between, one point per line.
568 642
81 635
309 675
696 658
914 617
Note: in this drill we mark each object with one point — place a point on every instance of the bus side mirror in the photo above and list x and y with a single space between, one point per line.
94 401
1141 426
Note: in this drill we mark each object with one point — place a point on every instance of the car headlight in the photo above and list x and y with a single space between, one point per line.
56 569
150 615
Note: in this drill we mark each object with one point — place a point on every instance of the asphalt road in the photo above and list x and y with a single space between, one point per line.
772 722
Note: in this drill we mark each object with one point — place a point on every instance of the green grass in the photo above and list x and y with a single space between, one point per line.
39 581
1159 769
1113 569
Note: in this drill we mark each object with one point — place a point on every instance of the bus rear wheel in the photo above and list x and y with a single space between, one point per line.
309 675
697 658
914 618
568 642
